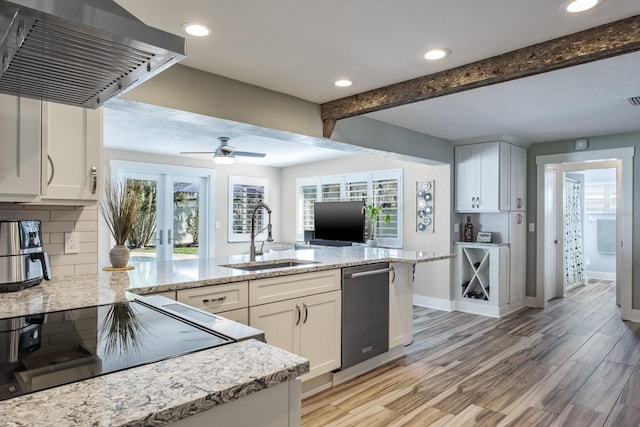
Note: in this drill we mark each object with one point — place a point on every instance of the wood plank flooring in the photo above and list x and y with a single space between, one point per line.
574 363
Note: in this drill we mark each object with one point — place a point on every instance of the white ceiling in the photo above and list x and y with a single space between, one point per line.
130 125
299 47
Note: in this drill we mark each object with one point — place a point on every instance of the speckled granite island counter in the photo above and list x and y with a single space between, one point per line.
180 388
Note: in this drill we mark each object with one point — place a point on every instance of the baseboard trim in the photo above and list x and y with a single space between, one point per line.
435 303
600 275
533 302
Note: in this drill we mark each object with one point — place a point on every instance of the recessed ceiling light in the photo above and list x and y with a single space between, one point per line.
435 54
198 30
343 83
576 6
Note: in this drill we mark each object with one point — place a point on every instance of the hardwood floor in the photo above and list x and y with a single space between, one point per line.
573 364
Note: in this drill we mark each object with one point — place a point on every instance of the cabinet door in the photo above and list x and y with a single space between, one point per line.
280 322
73 137
517 256
21 149
320 332
489 190
400 304
518 178
467 174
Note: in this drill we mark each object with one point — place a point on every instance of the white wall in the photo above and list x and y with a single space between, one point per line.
222 173
432 279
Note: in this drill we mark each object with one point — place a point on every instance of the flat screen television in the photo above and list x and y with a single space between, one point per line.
338 222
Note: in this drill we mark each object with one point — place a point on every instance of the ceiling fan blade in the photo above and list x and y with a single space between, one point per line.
197 152
248 154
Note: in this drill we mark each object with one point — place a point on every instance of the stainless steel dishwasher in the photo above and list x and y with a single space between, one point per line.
365 312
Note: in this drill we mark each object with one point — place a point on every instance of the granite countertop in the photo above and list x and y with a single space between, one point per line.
158 393
172 389
150 276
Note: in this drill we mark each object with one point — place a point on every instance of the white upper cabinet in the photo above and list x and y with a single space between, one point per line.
52 153
518 178
486 177
21 149
72 141
478 173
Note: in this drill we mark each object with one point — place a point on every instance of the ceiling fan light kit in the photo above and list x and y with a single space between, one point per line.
225 154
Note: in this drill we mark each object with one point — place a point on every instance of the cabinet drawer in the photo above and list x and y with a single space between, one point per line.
281 288
240 315
216 298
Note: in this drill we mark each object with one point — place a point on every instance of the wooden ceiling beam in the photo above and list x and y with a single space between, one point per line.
605 41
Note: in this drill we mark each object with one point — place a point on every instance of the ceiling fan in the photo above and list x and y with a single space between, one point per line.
225 153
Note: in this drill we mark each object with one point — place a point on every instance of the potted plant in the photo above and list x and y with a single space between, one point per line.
373 213
119 209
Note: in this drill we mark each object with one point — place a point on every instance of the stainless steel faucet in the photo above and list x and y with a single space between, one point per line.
252 248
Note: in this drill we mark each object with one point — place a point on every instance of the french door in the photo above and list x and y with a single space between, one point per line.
174 213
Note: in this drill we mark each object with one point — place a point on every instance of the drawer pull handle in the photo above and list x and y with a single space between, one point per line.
94 179
306 313
367 273
220 299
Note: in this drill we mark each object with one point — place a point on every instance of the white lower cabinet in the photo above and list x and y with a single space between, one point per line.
400 304
309 326
277 406
482 279
517 257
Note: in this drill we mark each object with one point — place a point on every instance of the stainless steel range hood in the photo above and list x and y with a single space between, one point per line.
79 52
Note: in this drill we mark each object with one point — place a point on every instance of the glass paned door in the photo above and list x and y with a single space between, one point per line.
185 217
168 226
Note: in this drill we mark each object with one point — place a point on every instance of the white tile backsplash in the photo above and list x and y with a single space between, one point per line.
56 220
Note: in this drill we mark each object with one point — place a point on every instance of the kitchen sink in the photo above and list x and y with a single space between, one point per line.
268 265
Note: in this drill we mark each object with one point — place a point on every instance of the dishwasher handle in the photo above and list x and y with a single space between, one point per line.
368 273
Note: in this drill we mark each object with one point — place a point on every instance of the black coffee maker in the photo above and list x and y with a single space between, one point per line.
23 263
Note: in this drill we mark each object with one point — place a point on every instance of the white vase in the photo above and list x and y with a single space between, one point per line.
119 256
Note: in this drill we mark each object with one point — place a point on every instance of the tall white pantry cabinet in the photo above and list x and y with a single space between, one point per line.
491 178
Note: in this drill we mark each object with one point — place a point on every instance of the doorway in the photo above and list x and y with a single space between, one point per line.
176 210
552 250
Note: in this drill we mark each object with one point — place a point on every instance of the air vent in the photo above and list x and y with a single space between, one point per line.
635 101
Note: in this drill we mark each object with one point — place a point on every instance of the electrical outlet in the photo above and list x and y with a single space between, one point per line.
71 244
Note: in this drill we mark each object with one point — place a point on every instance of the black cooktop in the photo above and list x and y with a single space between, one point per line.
46 350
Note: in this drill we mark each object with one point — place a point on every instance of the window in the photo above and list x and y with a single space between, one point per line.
379 187
244 195
600 197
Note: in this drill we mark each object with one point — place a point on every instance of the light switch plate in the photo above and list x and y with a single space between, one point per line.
456 227
71 243
532 227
